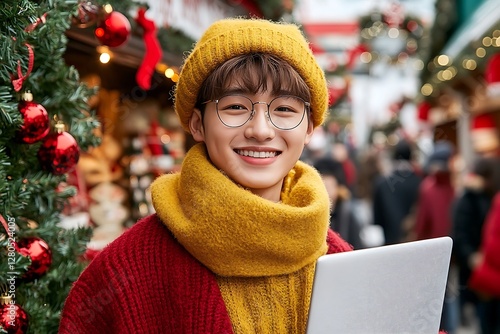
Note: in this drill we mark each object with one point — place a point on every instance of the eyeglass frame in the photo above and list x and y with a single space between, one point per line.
307 109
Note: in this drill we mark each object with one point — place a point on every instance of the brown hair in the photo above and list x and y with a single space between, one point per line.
252 72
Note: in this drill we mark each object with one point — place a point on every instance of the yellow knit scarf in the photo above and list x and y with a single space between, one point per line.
236 233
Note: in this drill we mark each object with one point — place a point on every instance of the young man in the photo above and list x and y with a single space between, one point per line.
233 244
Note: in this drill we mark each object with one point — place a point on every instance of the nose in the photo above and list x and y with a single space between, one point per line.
259 126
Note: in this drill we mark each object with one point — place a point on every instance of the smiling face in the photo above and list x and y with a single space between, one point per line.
256 155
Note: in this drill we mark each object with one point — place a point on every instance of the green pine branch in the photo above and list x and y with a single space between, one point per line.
29 195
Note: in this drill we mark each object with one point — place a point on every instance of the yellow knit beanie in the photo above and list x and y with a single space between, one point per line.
228 38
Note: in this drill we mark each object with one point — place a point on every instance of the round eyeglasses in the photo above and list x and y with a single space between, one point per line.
285 112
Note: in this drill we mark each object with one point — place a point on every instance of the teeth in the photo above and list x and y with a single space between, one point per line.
256 154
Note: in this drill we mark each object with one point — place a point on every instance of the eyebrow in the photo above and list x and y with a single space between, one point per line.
243 91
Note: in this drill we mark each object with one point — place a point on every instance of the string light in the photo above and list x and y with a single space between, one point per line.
169 73
480 52
487 41
427 89
443 60
418 64
105 54
366 57
104 57
108 8
469 64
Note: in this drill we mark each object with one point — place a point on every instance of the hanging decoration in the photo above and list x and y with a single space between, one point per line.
18 83
153 50
13 319
41 20
35 120
87 14
113 30
39 252
59 152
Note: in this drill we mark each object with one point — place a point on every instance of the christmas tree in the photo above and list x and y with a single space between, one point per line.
44 124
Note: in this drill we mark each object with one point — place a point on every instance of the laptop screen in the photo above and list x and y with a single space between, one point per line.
389 289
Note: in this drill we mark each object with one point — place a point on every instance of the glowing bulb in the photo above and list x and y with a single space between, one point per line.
169 73
443 60
366 57
487 41
480 52
108 8
427 89
104 57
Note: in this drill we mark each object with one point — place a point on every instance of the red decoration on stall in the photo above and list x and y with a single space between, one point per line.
354 53
484 134
492 76
59 152
114 30
394 16
39 253
13 319
423 110
153 50
334 94
36 123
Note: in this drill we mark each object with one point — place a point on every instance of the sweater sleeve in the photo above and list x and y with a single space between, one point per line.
145 282
91 304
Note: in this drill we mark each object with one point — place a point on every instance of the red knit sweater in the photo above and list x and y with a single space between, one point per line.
146 282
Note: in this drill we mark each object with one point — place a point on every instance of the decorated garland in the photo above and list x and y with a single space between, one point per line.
404 32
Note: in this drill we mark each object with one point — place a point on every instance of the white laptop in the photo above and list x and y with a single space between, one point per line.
393 289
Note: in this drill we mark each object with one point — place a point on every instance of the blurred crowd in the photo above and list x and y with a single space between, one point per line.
393 193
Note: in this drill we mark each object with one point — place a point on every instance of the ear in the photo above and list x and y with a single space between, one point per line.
310 131
196 126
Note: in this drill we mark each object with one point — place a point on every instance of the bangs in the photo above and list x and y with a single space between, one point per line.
252 74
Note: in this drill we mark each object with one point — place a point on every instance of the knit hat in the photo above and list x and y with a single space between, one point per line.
402 151
228 38
441 155
331 167
484 133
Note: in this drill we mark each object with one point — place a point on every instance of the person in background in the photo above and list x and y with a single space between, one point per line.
436 195
433 219
469 213
485 264
237 231
395 195
342 218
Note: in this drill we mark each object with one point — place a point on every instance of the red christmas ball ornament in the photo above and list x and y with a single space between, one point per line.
36 120
114 30
59 152
13 319
39 253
